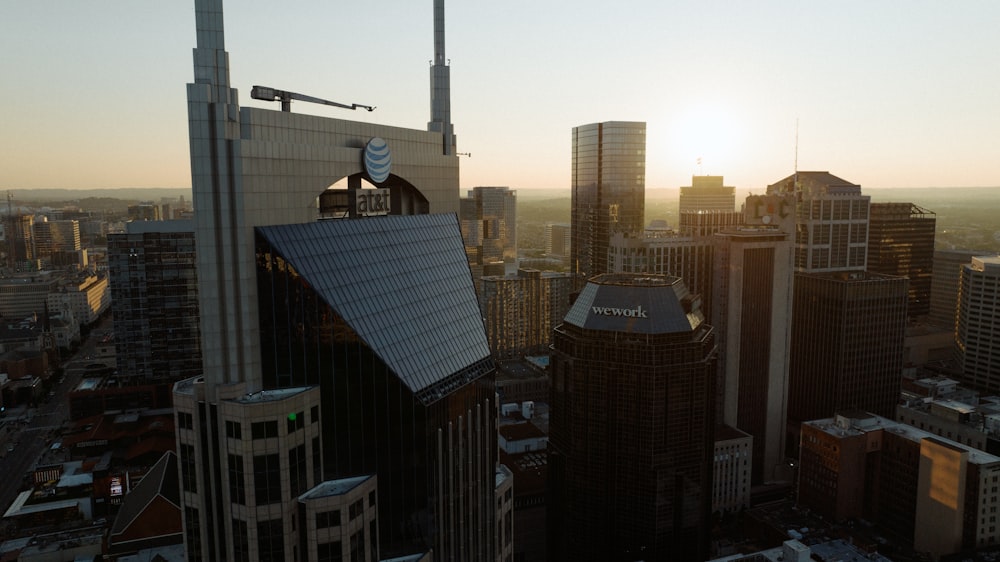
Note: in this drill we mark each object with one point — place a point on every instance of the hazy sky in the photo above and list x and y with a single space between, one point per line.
886 93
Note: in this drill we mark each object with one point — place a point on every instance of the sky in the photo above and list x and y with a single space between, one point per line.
881 93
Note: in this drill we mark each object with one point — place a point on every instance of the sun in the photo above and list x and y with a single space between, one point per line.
705 138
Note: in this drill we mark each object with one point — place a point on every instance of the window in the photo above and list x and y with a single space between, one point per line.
267 479
237 480
325 519
185 420
187 461
330 552
234 430
295 422
271 540
241 541
297 469
192 532
358 547
264 429
356 509
314 414
371 498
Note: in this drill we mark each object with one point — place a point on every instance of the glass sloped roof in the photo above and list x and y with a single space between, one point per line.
401 282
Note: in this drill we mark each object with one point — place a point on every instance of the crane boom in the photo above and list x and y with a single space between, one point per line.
266 93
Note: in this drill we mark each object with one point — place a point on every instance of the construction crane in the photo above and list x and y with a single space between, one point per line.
271 94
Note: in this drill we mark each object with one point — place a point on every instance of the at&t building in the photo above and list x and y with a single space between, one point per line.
344 410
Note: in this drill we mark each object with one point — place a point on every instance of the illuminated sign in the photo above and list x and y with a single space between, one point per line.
372 202
636 312
378 160
116 486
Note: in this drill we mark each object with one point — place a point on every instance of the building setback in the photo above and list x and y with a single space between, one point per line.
631 423
609 190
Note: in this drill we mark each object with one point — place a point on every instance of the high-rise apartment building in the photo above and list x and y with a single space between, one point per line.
154 299
901 242
609 190
56 236
846 344
707 194
520 311
489 227
976 331
331 349
831 222
751 313
557 240
631 427
944 285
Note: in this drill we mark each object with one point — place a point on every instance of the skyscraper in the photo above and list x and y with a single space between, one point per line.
154 299
631 423
901 242
831 222
847 344
330 349
489 226
753 305
944 285
609 190
977 332
707 193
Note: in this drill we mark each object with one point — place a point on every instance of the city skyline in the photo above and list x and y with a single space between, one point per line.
890 98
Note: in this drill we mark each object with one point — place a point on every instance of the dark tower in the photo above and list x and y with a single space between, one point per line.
631 426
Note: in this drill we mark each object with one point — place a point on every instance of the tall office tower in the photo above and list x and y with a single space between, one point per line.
706 193
489 227
609 190
976 332
391 301
521 311
831 222
944 285
847 344
56 236
753 305
398 351
154 299
901 242
557 240
667 253
631 423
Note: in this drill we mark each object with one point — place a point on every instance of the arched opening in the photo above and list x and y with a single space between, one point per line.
355 196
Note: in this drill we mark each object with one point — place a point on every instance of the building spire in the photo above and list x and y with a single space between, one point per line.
441 85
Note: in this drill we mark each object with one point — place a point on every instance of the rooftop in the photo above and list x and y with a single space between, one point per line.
334 487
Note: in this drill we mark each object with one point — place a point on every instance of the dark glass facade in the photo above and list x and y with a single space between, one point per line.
846 346
609 190
901 242
631 423
381 314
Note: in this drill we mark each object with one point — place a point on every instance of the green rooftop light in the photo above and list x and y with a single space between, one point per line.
291 417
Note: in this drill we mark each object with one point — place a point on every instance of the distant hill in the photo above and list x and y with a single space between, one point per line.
24 196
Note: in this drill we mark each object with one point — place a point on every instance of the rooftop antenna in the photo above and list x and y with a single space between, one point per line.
699 167
795 180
